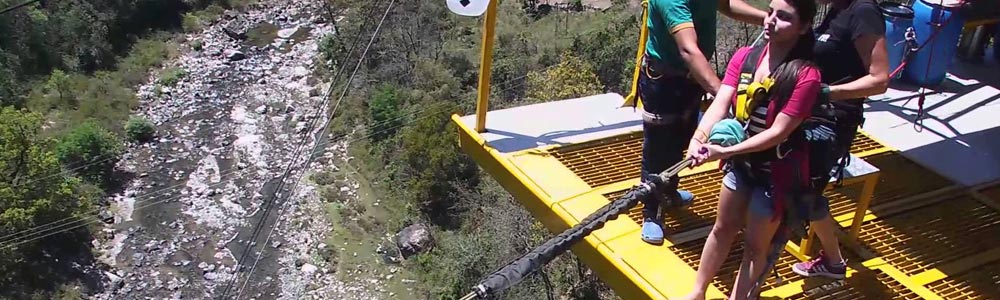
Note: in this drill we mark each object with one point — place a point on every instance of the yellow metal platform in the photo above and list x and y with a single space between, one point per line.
908 233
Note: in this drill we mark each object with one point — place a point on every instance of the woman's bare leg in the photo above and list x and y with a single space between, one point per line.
824 230
760 231
731 214
744 269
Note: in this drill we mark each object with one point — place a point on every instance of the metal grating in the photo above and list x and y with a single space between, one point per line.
615 159
980 283
896 182
844 199
690 252
899 178
864 143
924 238
603 161
865 284
705 187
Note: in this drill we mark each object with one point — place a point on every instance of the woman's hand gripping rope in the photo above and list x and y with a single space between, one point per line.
724 134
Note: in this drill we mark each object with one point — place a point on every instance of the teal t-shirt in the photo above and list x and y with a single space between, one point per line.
668 16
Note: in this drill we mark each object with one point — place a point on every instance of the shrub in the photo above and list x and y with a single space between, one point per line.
191 22
91 151
140 130
385 114
172 76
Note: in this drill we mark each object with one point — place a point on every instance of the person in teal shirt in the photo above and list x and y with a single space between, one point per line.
674 76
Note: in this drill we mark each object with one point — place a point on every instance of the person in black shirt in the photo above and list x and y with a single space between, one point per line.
852 57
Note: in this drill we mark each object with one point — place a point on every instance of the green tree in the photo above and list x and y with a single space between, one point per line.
91 151
611 50
33 192
572 77
10 88
432 167
59 89
384 113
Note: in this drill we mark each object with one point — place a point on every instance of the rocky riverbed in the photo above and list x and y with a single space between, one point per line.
225 134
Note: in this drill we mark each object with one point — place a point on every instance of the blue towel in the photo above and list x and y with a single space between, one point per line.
727 132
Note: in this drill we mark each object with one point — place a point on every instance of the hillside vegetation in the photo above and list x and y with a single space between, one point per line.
68 70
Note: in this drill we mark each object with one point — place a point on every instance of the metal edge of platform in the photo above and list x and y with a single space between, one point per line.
615 272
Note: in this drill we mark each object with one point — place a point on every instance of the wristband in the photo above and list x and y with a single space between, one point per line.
824 89
702 132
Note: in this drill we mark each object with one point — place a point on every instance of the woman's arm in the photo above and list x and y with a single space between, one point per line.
798 108
778 132
871 49
715 112
719 107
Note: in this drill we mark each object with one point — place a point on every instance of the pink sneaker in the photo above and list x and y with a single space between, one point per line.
820 266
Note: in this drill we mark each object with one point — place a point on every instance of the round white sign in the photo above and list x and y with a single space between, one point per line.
471 8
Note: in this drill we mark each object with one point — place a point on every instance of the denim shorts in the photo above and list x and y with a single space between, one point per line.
762 204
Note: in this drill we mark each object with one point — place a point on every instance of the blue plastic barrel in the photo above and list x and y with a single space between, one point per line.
898 18
929 65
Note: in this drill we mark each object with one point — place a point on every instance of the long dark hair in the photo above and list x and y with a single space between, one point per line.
786 75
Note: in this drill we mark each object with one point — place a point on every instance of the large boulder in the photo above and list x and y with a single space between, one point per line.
235 55
414 239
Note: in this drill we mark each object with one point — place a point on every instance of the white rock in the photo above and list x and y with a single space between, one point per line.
287 33
300 72
309 268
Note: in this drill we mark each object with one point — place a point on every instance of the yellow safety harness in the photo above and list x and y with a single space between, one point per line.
750 95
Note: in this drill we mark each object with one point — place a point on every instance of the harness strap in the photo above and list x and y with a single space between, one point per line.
845 160
742 107
740 102
790 220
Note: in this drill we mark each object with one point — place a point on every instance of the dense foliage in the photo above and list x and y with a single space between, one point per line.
139 129
91 152
33 192
68 70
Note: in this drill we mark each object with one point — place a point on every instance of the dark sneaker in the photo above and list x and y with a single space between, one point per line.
820 266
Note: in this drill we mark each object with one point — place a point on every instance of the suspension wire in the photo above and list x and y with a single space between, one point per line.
274 194
12 8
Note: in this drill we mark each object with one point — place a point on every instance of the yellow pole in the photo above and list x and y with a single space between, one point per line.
632 96
485 66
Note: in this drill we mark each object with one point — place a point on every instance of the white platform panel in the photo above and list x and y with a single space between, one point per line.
558 122
960 132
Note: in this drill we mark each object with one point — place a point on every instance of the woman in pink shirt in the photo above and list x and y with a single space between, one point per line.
758 175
